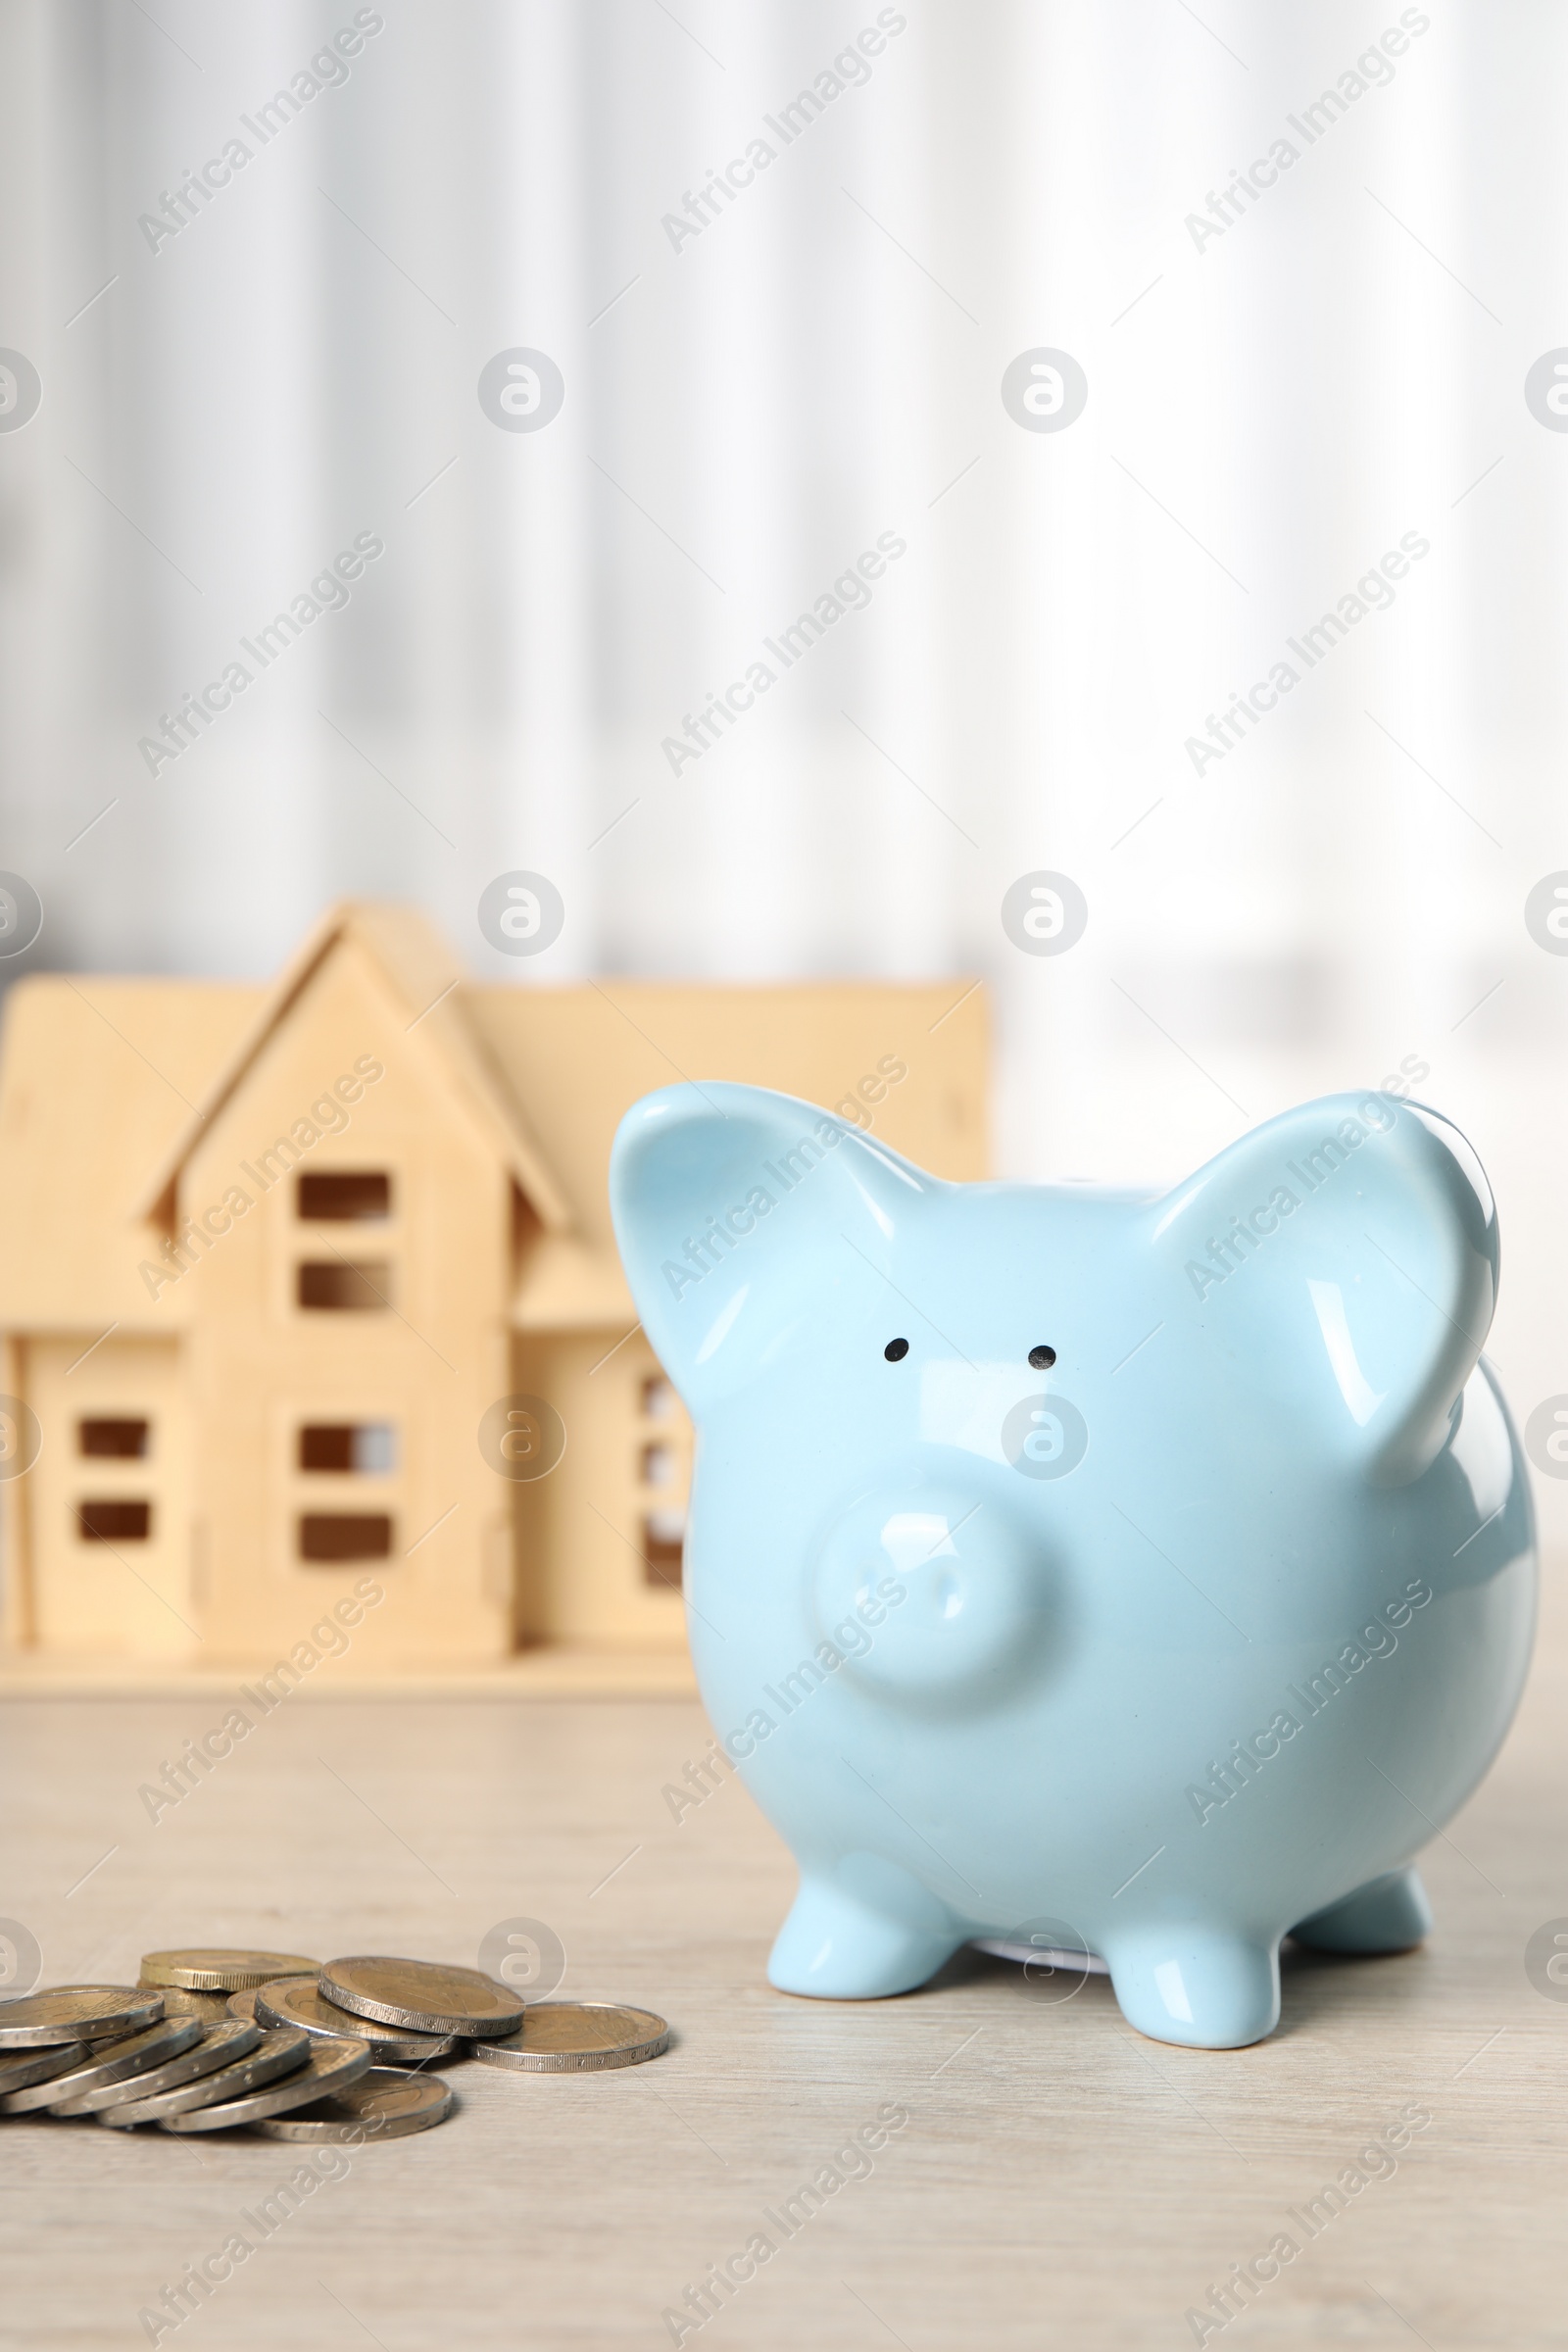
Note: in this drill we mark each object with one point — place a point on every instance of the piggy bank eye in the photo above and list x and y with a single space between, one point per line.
1042 1358
896 1350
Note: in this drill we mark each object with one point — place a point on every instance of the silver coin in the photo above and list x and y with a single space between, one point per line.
220 2045
381 2105
211 2007
279 2054
300 2001
26 2067
331 2067
220 1970
424 1995
76 2013
1043 1957
109 2062
574 2038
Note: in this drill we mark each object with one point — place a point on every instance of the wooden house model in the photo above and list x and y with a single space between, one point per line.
302 1289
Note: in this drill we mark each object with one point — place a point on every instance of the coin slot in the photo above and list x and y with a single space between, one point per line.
336 1287
330 1537
361 1449
345 1197
113 1441
664 1537
108 1521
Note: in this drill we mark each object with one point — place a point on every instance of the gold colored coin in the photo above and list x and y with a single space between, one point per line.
329 2068
220 1970
109 2062
76 2013
211 2007
424 1995
243 2004
574 2038
20 2069
299 2001
382 2105
279 2054
218 2046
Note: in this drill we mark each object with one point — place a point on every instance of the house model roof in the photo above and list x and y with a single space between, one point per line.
107 1085
410 954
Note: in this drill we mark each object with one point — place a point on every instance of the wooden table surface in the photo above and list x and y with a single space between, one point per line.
1058 2182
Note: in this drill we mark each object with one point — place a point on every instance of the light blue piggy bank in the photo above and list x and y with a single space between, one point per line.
1151 1575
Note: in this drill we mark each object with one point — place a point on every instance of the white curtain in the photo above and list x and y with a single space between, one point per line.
1286 380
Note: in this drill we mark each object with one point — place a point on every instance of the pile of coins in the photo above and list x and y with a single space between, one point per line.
291 2048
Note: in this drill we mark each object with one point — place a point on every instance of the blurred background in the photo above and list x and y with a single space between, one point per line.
625 330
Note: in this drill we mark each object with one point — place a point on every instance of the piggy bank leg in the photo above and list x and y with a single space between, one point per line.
1390 1914
1197 1985
845 1945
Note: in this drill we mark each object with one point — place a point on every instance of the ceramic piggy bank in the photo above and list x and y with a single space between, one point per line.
1149 1575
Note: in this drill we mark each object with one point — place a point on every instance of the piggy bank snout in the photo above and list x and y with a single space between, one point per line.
932 1591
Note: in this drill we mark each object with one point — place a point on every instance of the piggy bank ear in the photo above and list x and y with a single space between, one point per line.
1343 1258
743 1218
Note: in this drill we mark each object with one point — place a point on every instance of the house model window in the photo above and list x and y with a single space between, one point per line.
332 1537
339 1287
356 1197
339 1284
108 1521
361 1449
113 1441
660 1470
664 1539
